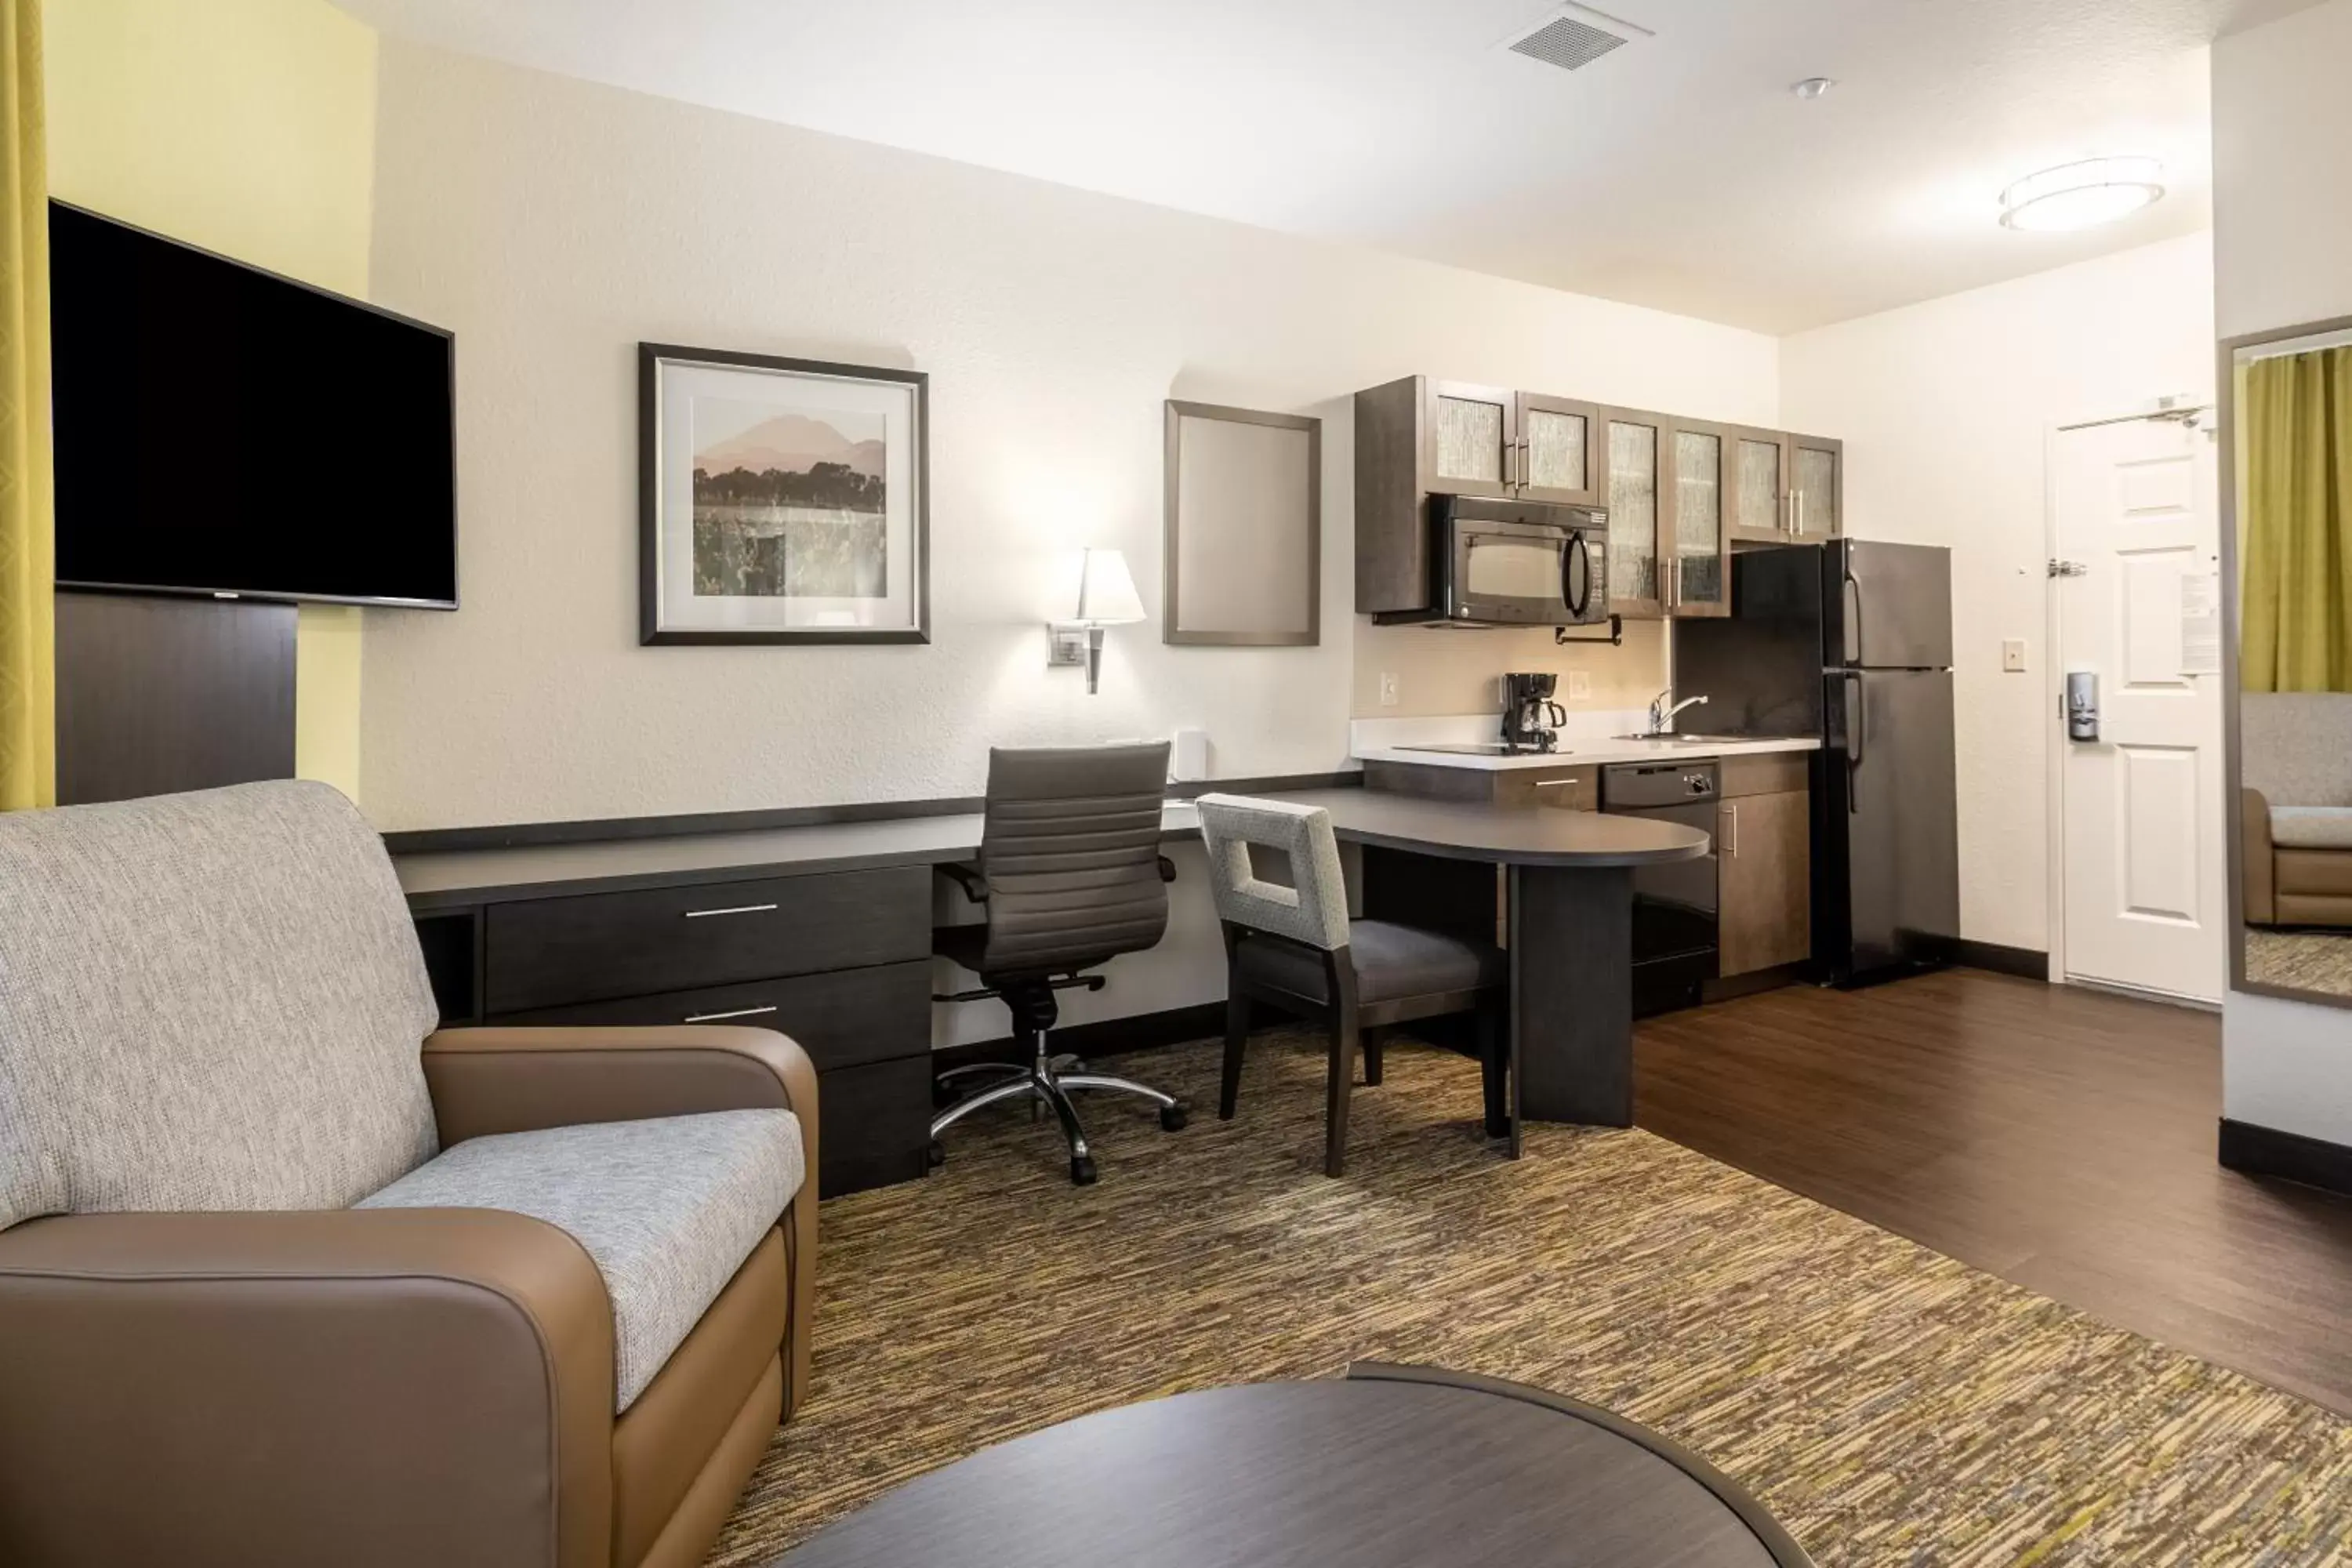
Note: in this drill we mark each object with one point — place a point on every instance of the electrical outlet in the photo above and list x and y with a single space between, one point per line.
1580 686
2012 655
1387 689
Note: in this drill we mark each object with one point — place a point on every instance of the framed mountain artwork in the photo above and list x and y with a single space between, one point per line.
781 500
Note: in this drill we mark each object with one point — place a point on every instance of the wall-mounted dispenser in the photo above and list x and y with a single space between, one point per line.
2082 705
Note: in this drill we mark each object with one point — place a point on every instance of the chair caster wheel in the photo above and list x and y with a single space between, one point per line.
937 1154
942 1096
1082 1169
1172 1118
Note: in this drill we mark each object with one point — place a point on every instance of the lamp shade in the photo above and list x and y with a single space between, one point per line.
1107 595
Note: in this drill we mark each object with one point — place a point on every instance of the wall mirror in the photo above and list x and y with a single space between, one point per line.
2287 549
1245 528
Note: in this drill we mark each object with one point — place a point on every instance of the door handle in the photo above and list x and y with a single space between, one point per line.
731 909
1857 739
1728 815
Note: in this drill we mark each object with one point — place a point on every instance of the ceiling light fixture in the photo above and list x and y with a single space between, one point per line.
1812 86
2078 195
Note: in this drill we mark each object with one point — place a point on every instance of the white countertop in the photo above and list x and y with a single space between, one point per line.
1586 739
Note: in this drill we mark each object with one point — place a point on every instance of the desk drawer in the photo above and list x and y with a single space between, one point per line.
845 1018
558 953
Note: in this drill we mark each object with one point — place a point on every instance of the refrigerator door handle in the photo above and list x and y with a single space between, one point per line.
1856 740
1852 628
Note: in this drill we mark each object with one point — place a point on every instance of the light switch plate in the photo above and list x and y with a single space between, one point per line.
1580 686
2012 655
1387 689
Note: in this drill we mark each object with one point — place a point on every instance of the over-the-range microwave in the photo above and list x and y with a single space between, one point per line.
1497 562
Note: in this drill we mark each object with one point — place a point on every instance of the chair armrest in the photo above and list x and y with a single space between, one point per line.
2258 866
356 1386
967 877
519 1079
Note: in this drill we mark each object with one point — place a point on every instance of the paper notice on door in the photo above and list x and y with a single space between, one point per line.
2200 623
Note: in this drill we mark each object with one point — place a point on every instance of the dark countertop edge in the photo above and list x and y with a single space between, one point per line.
444 901
624 829
1529 860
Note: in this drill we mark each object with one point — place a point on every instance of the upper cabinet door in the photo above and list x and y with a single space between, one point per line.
1633 457
1692 536
1556 459
1473 439
1816 487
1758 475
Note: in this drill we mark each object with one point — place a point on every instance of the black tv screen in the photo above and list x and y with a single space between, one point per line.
222 430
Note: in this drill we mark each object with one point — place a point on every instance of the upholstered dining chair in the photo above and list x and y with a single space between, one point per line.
1290 943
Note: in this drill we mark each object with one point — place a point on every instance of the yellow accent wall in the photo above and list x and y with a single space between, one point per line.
247 127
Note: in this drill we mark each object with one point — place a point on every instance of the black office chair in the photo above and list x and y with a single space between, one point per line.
1071 875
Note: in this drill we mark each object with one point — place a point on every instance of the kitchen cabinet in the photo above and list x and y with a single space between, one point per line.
1681 493
1568 786
1817 480
1663 482
1489 441
1763 864
1786 488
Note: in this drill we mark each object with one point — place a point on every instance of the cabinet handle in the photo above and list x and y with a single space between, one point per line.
1800 514
738 1013
1729 814
733 909
1555 783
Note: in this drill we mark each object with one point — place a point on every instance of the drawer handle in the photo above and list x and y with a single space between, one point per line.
737 909
1556 783
738 1013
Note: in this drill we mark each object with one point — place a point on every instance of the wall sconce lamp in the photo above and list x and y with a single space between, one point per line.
1106 597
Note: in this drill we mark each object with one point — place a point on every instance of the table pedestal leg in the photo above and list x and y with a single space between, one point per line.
1571 935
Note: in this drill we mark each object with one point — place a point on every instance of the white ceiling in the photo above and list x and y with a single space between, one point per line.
1677 172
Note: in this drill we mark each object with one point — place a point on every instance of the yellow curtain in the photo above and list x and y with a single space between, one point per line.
27 642
2295 605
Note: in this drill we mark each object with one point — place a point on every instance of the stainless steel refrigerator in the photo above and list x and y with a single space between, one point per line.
1851 641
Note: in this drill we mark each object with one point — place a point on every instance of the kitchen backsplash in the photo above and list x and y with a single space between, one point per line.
1443 670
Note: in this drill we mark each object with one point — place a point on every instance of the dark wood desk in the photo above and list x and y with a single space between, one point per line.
1391 1467
824 930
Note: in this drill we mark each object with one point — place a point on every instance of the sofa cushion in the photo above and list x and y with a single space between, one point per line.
668 1209
207 1000
2312 826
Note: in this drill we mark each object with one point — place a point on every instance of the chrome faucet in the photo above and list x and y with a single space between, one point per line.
1661 716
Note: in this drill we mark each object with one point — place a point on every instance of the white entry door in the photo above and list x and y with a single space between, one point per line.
2145 904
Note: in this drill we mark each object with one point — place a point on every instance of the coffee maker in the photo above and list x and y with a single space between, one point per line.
1529 715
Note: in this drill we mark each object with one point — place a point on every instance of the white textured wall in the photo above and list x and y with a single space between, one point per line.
553 224
2283 257
1945 408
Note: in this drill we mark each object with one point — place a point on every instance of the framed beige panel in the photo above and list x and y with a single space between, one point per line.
1244 532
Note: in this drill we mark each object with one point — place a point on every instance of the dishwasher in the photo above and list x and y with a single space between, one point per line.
1673 904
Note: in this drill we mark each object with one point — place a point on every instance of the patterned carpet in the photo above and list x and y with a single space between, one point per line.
2305 959
1889 1405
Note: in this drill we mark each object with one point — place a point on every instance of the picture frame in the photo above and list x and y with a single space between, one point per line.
781 500
1243 563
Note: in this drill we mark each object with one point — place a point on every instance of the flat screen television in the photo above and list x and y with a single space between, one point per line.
221 430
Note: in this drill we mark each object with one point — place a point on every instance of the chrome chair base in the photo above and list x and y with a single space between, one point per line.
1046 1082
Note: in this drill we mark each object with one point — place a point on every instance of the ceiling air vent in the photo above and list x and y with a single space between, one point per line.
1572 36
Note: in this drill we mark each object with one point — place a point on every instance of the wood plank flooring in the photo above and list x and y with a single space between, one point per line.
2062 1139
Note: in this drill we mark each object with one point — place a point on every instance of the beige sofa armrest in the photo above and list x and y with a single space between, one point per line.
358 1387
2258 865
519 1078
